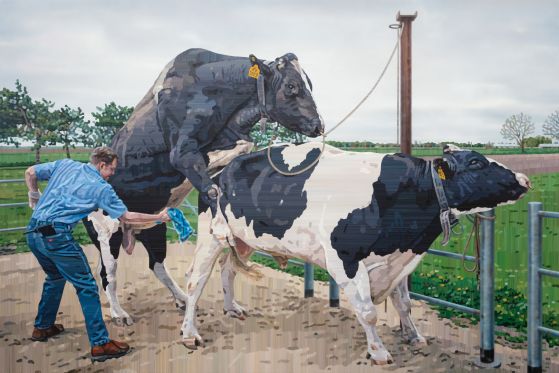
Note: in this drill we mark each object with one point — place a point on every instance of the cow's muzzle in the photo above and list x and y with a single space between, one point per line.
316 127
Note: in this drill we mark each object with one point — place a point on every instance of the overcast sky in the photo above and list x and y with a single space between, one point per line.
475 63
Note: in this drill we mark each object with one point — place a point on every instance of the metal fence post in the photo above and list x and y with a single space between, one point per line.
534 287
309 280
334 293
487 357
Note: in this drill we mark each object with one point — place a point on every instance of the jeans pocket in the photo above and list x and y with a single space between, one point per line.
58 241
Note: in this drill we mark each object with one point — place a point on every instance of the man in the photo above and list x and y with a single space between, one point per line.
73 192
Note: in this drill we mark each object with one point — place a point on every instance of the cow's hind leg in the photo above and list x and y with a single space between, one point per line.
109 249
155 243
358 292
205 256
401 299
230 307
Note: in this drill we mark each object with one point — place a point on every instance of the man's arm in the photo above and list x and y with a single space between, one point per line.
137 217
33 186
31 179
113 205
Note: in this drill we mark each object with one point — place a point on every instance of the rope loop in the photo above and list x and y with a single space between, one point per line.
286 173
396 47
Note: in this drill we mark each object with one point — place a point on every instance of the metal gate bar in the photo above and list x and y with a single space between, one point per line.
535 272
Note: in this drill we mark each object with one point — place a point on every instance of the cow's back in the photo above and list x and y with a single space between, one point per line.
143 135
288 210
143 143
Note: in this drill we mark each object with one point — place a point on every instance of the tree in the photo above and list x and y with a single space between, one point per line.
551 125
534 142
517 127
9 118
281 134
108 120
29 119
72 128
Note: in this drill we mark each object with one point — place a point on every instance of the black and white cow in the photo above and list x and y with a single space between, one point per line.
195 118
366 218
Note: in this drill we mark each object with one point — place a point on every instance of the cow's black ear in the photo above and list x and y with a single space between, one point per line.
262 67
290 57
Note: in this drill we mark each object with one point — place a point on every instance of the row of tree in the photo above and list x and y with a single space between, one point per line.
519 126
23 118
38 121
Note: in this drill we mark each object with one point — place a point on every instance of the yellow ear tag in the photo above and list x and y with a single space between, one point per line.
254 71
441 173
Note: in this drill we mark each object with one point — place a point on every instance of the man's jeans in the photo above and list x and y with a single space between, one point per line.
63 260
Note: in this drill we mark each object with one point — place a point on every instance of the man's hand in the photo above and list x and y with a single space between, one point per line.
33 198
164 216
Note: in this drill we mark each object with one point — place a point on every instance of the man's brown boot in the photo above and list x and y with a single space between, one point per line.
42 335
110 350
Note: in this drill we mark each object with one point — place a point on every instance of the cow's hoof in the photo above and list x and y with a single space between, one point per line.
123 321
380 357
418 342
192 343
235 314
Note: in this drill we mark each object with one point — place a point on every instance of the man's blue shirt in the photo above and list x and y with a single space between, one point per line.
74 190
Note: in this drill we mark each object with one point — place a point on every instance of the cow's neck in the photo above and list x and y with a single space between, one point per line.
242 121
407 204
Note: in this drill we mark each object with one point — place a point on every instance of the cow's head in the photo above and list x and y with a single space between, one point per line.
288 95
474 183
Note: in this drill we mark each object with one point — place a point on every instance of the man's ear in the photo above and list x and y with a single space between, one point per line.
258 67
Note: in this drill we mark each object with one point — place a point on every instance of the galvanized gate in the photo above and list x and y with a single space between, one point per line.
535 273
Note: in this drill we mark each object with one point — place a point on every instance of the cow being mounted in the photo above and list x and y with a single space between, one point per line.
366 218
193 121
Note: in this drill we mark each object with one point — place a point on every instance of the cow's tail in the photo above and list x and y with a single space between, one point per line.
242 266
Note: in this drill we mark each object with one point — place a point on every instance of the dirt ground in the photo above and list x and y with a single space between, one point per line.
283 333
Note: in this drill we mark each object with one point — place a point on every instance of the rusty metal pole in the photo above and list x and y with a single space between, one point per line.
405 88
405 81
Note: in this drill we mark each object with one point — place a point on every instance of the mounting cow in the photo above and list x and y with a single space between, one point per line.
193 121
366 218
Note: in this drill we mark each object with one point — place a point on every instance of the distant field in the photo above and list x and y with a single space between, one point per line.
22 159
429 152
10 158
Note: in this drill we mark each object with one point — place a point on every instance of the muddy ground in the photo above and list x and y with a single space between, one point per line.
283 333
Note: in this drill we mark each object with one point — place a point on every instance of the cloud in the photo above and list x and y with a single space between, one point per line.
474 63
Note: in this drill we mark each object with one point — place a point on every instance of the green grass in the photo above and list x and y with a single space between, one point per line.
11 217
511 241
28 159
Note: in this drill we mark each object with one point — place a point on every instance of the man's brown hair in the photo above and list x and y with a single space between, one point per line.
102 154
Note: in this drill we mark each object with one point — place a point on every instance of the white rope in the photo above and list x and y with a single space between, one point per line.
372 89
396 47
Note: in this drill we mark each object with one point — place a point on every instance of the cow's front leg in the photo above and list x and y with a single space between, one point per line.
155 243
205 255
400 297
358 292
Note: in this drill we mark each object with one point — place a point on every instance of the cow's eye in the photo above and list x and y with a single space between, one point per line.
475 164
